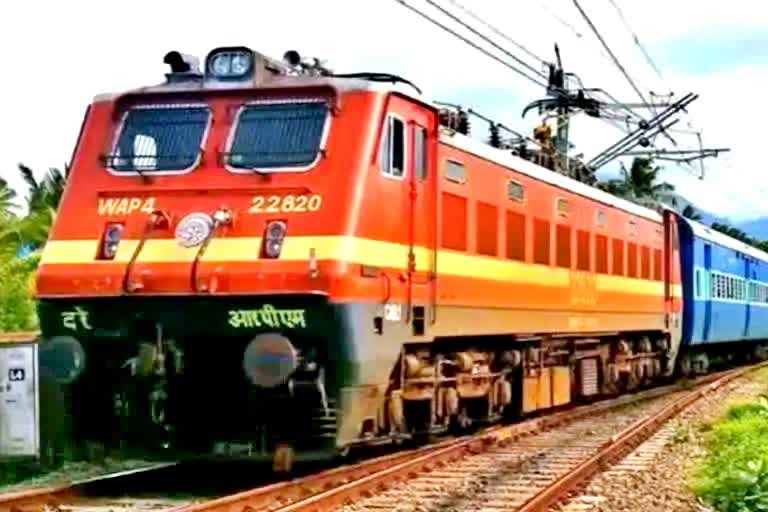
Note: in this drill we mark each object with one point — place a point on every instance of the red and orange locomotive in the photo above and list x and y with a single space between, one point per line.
268 254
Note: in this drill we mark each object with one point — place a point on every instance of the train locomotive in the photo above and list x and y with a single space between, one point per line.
265 259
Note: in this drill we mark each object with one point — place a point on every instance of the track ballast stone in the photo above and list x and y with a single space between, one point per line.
654 477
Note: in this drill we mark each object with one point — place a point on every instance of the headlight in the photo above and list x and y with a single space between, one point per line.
269 360
230 63
63 358
194 229
274 235
110 241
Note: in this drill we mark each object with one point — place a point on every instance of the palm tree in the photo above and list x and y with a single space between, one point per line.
639 183
31 230
733 233
7 197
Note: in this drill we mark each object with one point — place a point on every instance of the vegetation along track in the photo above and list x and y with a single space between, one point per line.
526 466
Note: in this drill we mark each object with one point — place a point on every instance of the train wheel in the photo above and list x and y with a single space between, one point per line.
761 352
685 366
701 363
461 422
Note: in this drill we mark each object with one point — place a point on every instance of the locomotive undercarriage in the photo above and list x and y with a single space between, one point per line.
175 399
177 386
456 384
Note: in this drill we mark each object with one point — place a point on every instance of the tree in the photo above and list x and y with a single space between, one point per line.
31 230
733 233
7 200
18 231
17 307
639 184
690 212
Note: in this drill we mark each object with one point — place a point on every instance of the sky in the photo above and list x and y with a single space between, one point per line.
58 55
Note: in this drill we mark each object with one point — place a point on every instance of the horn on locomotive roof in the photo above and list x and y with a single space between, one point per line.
305 66
183 66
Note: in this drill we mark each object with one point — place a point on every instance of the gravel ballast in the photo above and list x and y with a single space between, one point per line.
654 477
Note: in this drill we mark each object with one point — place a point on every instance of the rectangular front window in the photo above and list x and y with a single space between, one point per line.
159 138
274 135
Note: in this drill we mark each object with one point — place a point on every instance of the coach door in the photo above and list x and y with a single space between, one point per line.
672 283
422 256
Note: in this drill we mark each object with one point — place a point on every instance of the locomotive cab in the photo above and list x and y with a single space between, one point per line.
226 243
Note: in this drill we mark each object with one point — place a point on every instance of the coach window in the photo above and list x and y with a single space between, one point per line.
632 228
455 172
393 148
697 287
515 191
600 219
420 152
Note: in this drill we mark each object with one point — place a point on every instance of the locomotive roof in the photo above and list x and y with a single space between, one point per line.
543 174
714 236
277 82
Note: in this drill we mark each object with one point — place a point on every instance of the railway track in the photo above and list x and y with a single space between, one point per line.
527 466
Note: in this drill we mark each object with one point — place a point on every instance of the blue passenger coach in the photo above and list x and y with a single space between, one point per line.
725 296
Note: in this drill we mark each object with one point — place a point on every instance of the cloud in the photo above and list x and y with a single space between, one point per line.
62 65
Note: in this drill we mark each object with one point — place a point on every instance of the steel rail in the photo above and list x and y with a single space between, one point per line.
327 490
330 488
623 443
51 496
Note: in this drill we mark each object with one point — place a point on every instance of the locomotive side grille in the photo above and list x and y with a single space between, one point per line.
588 376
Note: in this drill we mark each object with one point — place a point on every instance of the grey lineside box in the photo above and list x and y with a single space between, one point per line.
19 398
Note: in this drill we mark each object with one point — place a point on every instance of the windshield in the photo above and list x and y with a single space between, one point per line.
160 138
272 135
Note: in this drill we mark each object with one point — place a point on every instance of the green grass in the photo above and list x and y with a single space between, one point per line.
733 476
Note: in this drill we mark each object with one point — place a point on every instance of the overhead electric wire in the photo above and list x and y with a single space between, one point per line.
473 45
561 20
486 38
497 31
610 52
632 139
636 39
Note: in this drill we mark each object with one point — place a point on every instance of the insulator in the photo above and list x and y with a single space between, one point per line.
464 125
495 138
447 118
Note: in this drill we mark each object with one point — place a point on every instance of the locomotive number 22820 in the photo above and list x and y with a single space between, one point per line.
290 203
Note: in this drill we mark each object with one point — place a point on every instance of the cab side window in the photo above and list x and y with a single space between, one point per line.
420 152
393 148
